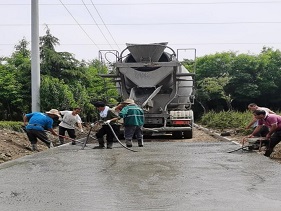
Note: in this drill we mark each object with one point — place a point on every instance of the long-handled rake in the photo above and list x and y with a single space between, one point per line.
88 136
72 139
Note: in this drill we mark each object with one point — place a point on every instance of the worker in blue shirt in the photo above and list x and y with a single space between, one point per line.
36 123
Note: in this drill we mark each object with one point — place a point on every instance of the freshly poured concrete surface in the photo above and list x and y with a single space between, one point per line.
161 176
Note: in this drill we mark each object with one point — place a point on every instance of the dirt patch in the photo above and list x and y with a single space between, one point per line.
14 145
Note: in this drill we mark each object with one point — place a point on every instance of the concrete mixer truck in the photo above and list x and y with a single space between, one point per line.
152 76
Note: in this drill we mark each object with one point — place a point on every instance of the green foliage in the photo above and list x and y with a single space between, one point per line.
251 78
80 85
10 125
226 119
10 94
55 93
100 88
213 78
19 65
216 65
48 41
269 80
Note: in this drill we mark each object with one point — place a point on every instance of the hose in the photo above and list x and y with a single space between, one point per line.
85 142
118 139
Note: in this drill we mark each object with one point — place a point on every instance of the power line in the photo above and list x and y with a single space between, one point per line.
119 23
153 24
105 25
227 43
195 23
151 3
96 23
187 3
79 25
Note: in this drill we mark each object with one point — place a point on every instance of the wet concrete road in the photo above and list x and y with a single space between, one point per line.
161 176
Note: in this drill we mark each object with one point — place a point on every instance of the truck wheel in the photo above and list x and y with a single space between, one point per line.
177 134
187 134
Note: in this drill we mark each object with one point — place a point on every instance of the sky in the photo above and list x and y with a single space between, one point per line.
85 27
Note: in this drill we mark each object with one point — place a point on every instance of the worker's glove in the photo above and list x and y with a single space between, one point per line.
107 121
81 130
93 124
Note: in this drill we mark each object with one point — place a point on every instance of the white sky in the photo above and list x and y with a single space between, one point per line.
209 26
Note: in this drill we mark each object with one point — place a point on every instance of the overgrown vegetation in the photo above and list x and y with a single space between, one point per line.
230 81
226 119
10 125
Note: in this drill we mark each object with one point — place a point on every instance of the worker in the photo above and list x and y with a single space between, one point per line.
273 121
109 117
254 123
68 121
36 123
133 117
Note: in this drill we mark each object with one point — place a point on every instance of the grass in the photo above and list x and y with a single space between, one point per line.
227 120
10 125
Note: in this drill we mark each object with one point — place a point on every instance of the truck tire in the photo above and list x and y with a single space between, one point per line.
177 134
188 134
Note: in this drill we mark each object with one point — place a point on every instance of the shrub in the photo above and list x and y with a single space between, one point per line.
227 120
10 125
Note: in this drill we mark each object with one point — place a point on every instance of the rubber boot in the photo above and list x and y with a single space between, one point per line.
109 145
34 147
268 152
101 144
140 143
48 144
129 143
61 141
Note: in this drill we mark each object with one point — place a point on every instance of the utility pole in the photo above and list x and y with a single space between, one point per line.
35 57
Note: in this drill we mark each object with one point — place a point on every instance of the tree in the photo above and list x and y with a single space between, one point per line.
9 93
244 78
216 65
57 64
55 94
214 89
269 80
20 65
212 78
100 88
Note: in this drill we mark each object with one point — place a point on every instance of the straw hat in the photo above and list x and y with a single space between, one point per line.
54 112
128 101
